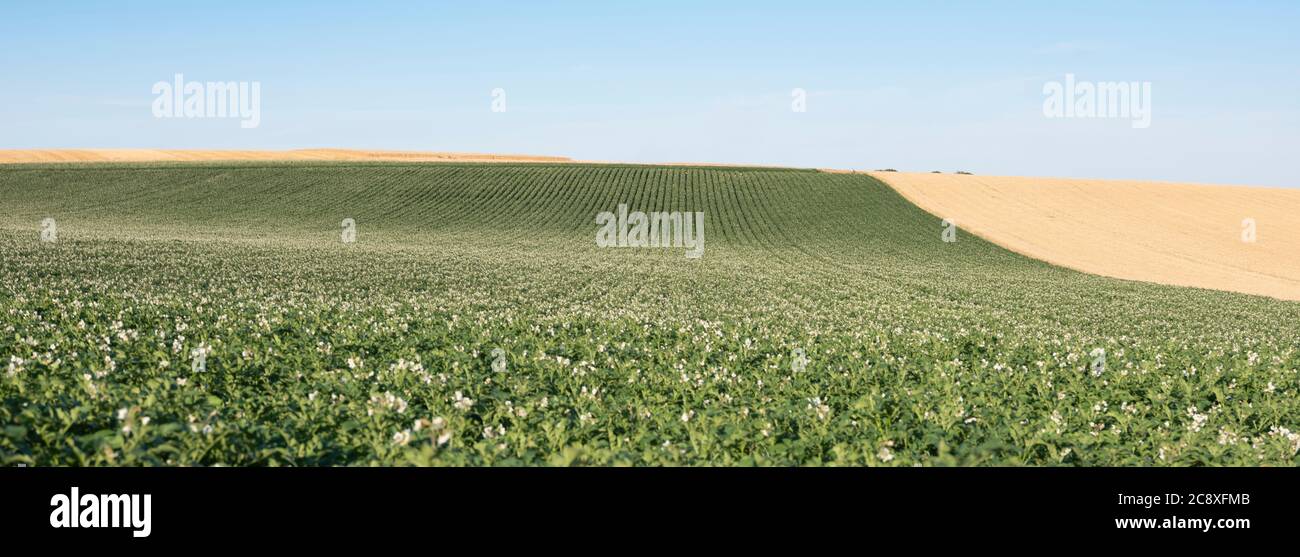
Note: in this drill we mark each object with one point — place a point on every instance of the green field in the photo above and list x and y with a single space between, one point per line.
319 352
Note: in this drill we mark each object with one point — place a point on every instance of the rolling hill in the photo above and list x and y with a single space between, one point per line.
1180 234
475 320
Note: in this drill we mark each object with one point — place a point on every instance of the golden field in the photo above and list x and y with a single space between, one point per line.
1170 233
200 155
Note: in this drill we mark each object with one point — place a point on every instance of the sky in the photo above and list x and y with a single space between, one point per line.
915 86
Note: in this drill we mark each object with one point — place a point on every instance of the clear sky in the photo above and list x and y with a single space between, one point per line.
909 85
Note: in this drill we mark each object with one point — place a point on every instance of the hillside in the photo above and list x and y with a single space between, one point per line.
1180 234
474 320
31 156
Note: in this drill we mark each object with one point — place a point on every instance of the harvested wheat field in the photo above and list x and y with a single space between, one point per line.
1177 234
201 155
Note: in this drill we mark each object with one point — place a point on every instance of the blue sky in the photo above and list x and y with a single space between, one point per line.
914 86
